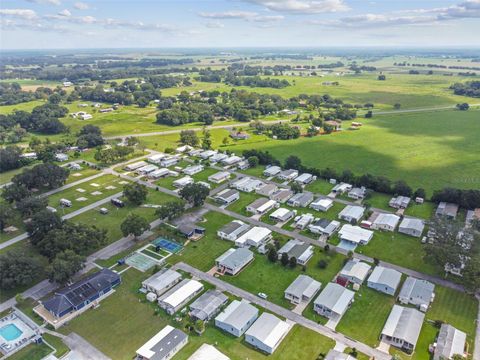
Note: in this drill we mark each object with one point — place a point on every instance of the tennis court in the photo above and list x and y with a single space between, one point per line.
140 261
168 245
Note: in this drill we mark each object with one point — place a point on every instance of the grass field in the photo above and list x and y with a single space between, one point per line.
32 352
430 150
120 336
240 205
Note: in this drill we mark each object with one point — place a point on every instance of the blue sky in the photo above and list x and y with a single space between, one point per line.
48 24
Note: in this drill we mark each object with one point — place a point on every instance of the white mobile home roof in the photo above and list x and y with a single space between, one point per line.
268 329
451 341
170 336
335 297
355 268
135 165
156 157
390 220
231 160
355 212
237 314
280 213
267 205
303 285
183 181
272 170
355 234
412 223
182 291
305 177
384 276
254 236
219 176
162 279
404 323
147 169
324 203
159 172
208 352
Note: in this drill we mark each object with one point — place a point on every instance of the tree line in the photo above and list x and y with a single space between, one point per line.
469 88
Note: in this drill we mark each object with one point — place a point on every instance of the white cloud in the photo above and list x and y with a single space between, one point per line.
214 25
65 13
47 2
26 14
81 6
268 18
228 15
303 6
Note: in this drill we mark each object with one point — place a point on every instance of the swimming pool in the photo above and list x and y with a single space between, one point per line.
10 332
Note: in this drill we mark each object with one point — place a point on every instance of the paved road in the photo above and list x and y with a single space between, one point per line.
290 315
82 349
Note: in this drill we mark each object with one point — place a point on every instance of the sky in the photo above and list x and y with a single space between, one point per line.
69 24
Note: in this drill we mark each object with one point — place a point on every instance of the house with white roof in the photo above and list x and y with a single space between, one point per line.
159 173
351 213
384 221
272 171
282 215
237 317
183 148
412 227
419 293
450 342
261 206
193 169
233 260
288 175
182 182
303 220
232 160
233 230
333 301
402 328
355 271
324 227
297 249
355 234
164 345
399 202
161 281
341 188
305 178
266 189
218 157
219 177
147 169
177 297
255 237
207 305
207 154
357 193
155 159
322 204
169 161
302 289
208 352
281 195
337 355
384 280
267 332
227 196
301 199
247 184
61 157
134 166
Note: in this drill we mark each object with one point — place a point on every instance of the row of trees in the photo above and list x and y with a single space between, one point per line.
12 93
469 88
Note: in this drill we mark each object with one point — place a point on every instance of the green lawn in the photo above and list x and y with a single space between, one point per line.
380 201
320 186
84 173
398 249
371 309
57 343
429 149
423 211
240 205
32 352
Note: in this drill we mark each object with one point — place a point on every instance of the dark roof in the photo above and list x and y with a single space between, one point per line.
167 344
188 229
82 290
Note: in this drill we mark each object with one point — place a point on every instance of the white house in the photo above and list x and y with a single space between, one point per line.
255 237
233 230
161 281
237 317
399 202
272 171
355 234
134 166
247 184
384 280
144 170
351 213
357 193
304 179
412 227
193 169
450 342
355 271
232 160
322 204
297 249
219 177
267 332
341 188
177 297
159 173
303 220
227 196
233 260
333 301
261 206
267 189
324 227
182 182
156 158
207 154
384 221
302 289
61 157
208 352
288 175
282 215
417 292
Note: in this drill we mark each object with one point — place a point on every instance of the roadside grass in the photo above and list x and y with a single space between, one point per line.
72 194
320 186
371 309
84 173
254 171
422 211
424 149
57 343
379 201
32 352
120 336
399 249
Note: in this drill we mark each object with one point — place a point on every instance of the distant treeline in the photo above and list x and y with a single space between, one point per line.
469 88
12 93
438 66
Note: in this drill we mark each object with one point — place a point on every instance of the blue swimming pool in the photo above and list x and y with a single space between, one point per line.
10 332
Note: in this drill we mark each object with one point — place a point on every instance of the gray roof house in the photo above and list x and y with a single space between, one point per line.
384 221
272 171
297 249
282 215
302 289
403 328
161 281
237 317
219 177
448 210
267 189
412 227
399 202
301 199
227 196
417 292
450 341
261 206
164 345
207 305
384 280
178 296
355 271
267 332
233 230
333 301
282 195
233 260
337 355
351 213
305 178
289 174
324 227
357 193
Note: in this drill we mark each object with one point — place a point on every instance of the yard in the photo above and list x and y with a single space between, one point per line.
320 186
240 205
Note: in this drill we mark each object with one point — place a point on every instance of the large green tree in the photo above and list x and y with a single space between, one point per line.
170 210
135 193
134 225
65 265
17 269
195 194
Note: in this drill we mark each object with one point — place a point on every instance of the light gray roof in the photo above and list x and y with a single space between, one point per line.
225 194
404 323
234 258
447 209
237 314
335 297
294 248
302 198
385 276
337 355
451 341
208 304
162 279
355 268
268 329
235 226
259 202
352 211
412 223
417 289
266 189
303 285
163 343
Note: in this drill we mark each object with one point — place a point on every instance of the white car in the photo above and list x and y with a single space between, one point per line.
262 295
